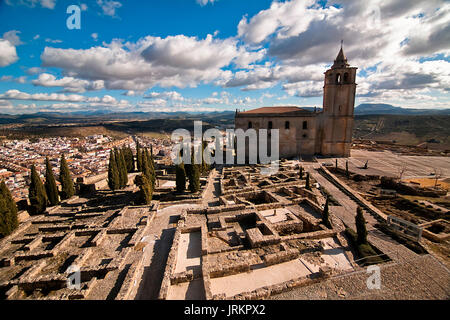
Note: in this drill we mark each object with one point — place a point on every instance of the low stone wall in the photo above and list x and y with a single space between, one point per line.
170 266
311 235
228 270
280 257
267 291
376 213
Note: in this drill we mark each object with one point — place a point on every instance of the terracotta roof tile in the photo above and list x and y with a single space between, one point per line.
275 110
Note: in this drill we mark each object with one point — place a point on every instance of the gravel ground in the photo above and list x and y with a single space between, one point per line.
423 278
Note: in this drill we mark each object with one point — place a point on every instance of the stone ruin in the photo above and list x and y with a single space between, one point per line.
93 241
265 237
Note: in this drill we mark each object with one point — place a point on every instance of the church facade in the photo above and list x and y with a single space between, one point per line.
302 132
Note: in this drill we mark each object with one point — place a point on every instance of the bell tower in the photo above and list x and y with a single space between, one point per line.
338 106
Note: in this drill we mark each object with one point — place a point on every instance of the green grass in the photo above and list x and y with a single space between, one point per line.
365 252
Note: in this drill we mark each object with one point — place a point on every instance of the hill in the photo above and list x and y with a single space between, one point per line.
381 108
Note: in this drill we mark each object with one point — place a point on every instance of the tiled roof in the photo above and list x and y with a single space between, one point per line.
274 110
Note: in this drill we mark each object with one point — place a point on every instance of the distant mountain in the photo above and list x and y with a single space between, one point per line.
381 108
104 115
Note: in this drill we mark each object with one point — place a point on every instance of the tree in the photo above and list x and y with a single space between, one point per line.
194 175
36 194
8 211
401 171
151 166
205 166
326 215
146 190
138 157
50 184
129 159
301 172
437 176
307 183
194 179
67 188
361 226
123 174
113 174
180 177
336 163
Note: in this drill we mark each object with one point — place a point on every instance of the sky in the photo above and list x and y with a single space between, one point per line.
216 55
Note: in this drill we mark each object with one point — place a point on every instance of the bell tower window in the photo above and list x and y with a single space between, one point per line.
346 77
338 78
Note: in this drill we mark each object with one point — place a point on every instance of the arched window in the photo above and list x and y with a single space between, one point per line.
287 125
340 108
270 125
250 125
338 78
305 125
346 77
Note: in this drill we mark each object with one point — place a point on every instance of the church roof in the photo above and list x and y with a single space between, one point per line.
291 110
341 60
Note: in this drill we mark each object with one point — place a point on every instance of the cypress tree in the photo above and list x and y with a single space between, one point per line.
151 165
124 171
301 172
188 166
8 211
50 184
361 226
138 157
120 168
336 163
180 177
145 189
307 183
204 167
129 159
326 215
194 176
65 178
132 162
113 174
37 195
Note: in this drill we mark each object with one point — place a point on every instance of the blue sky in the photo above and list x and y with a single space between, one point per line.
200 55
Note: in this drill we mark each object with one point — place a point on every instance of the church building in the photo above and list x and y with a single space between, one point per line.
327 132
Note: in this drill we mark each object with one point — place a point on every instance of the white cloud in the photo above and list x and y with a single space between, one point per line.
94 36
19 95
49 4
69 84
390 37
109 7
12 37
53 40
8 54
205 2
172 95
175 61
